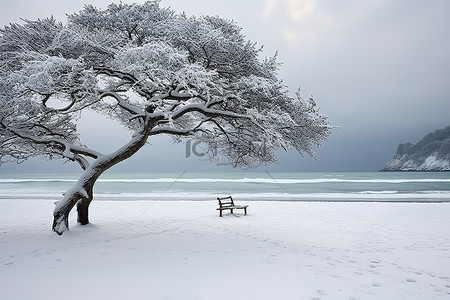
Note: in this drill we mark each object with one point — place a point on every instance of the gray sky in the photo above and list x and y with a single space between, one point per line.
379 68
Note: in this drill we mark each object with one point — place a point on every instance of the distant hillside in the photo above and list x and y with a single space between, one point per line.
432 153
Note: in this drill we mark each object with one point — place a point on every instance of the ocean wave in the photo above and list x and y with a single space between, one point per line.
30 180
240 180
441 196
284 196
378 192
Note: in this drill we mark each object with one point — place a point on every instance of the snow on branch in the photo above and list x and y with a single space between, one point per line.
155 72
122 103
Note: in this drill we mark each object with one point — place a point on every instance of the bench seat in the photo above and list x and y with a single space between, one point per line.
227 203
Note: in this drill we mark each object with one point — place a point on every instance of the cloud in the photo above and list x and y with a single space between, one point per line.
289 35
287 15
299 8
268 8
295 9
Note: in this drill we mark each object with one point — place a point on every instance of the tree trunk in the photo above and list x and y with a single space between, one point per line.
83 212
62 210
81 194
83 208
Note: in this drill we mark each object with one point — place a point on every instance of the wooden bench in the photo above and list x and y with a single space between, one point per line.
228 203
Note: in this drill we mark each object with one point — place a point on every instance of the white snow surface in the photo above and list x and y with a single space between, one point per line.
434 163
184 250
430 163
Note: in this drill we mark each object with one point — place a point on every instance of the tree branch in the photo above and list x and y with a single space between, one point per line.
181 132
114 73
206 111
122 103
70 151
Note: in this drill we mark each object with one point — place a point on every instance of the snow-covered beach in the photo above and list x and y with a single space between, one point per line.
183 250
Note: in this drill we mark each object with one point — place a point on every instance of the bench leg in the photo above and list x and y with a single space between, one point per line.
220 213
231 211
245 210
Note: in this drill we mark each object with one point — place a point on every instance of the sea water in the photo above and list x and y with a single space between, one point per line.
246 186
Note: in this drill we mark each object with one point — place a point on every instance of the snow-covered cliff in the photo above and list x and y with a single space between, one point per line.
432 153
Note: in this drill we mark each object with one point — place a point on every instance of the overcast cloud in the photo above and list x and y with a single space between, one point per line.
379 69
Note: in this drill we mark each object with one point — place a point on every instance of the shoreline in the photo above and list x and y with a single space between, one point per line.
118 198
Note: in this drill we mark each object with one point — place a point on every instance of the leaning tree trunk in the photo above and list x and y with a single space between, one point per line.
83 207
81 194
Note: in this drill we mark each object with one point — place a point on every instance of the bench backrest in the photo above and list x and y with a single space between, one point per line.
225 201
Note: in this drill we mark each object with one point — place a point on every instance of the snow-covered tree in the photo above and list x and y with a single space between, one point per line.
155 72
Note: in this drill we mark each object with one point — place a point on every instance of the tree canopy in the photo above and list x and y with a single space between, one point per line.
155 72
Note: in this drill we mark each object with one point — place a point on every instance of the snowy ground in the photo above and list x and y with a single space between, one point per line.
183 250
